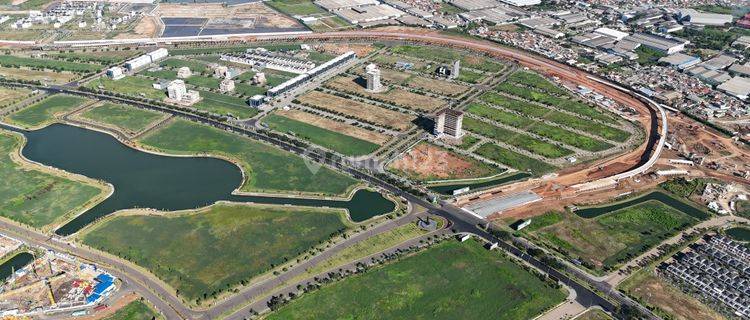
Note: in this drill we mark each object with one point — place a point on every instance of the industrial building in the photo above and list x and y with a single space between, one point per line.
146 59
115 73
659 43
309 75
704 19
372 73
260 58
737 86
680 60
449 122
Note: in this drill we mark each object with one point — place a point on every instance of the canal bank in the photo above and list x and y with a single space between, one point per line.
659 196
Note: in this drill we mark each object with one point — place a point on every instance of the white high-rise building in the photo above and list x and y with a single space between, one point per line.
456 69
373 78
176 89
449 123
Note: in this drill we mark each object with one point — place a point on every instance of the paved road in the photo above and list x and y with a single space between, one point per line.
163 298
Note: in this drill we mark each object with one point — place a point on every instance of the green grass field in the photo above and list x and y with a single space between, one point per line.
296 7
174 63
225 105
57 65
134 86
445 55
564 103
33 197
516 139
533 110
136 310
248 90
513 159
613 238
127 118
268 169
96 57
161 74
203 82
45 112
451 280
205 252
335 141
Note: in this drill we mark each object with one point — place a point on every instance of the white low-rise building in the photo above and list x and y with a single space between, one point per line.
226 85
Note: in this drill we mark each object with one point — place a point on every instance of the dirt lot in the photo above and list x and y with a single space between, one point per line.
148 27
356 109
336 126
27 74
396 96
437 86
656 292
340 48
257 14
430 162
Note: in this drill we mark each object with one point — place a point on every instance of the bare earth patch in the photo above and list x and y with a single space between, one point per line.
343 128
396 96
657 292
360 110
429 162
437 86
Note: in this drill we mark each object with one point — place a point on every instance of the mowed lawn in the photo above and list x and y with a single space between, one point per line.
225 105
124 117
335 141
267 168
451 280
136 310
34 197
204 252
605 241
44 112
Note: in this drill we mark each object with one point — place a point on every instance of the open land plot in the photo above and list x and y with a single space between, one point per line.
96 57
335 141
9 96
46 111
470 76
175 63
536 81
296 7
654 291
202 252
559 102
126 118
133 86
332 125
447 55
569 137
388 75
248 90
391 60
359 110
425 162
606 241
37 75
203 82
396 96
514 160
533 110
516 139
437 86
168 74
134 311
31 195
57 65
483 285
330 23
266 168
225 105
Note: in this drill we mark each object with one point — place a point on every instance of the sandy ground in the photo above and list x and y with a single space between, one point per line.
429 161
148 27
336 126
359 110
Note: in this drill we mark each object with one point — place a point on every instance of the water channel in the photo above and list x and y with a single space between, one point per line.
655 195
18 261
741 234
145 180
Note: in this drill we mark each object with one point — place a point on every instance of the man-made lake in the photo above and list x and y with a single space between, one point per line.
18 261
145 180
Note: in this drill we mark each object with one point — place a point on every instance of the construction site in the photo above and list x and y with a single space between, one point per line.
54 283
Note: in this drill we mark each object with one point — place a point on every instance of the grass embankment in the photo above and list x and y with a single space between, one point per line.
613 238
346 145
451 280
46 111
203 252
126 118
32 196
267 169
136 310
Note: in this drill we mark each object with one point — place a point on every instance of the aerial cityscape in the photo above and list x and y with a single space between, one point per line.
374 159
